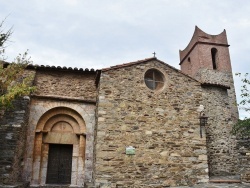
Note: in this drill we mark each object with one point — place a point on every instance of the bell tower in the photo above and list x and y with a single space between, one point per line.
207 59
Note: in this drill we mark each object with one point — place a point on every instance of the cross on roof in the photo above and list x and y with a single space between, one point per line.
154 54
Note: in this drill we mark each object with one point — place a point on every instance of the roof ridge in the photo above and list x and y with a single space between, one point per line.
128 64
145 60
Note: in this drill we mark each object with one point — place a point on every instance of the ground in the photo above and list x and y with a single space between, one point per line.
219 185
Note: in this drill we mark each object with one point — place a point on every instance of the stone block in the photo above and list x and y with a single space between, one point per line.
164 153
202 157
74 164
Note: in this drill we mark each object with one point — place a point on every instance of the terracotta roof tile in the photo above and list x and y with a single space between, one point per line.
215 85
144 61
47 67
129 64
52 67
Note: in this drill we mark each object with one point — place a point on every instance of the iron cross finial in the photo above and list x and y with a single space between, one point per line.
154 54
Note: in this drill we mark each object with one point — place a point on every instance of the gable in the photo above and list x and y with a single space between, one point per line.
155 123
128 82
151 62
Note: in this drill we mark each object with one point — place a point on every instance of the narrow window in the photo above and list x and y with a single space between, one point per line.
214 57
189 64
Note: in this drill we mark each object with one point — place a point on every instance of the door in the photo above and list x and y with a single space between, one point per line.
59 164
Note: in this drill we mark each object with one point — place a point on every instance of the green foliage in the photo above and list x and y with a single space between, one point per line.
4 37
15 81
242 127
245 93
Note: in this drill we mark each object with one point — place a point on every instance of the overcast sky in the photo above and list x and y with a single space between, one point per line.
101 33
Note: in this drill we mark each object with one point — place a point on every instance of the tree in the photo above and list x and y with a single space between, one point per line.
14 80
4 36
242 127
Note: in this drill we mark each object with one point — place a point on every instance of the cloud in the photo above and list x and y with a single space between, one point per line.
94 33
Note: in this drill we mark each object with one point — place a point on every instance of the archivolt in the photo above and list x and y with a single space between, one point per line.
54 115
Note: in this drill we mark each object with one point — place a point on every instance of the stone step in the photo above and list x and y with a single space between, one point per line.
89 185
17 185
225 179
51 186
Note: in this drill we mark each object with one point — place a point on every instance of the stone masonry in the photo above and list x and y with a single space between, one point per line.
67 84
244 158
218 96
62 111
163 127
13 126
222 155
146 105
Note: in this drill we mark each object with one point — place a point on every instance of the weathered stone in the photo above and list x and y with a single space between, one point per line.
12 139
164 153
57 83
148 132
101 113
202 157
175 155
156 133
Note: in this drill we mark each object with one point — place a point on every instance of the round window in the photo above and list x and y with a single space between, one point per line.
154 79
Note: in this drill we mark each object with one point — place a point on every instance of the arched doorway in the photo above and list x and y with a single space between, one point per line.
59 149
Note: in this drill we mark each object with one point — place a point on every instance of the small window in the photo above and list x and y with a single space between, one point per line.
189 64
154 79
214 57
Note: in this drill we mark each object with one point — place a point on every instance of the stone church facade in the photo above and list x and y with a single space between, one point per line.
130 125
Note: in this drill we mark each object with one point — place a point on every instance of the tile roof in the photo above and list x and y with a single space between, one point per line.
130 64
154 58
144 61
86 70
47 67
215 85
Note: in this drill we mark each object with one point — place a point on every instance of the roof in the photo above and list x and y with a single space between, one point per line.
144 61
47 67
215 85
131 63
155 59
98 72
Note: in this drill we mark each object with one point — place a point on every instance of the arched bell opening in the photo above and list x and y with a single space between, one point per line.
214 55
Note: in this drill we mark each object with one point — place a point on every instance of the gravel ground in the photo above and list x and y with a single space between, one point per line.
219 185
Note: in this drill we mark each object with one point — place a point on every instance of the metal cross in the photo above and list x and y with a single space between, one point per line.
154 54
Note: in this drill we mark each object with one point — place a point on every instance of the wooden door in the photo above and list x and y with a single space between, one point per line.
59 164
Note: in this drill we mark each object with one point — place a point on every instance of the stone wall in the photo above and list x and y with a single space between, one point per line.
68 84
224 78
36 166
223 114
13 128
221 145
244 158
65 101
163 127
220 104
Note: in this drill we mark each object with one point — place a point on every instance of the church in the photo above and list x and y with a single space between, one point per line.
138 124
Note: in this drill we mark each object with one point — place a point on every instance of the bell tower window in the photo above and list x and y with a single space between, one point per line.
214 57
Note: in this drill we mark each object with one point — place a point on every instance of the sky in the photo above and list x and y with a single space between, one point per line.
101 33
